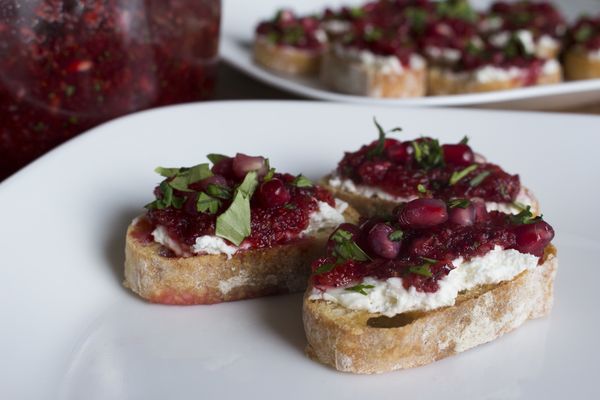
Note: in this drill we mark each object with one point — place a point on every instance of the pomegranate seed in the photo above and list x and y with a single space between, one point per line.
423 213
242 164
273 193
458 154
533 238
462 216
380 242
211 180
479 208
224 167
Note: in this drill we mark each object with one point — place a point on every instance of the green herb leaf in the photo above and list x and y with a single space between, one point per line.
479 178
583 34
380 146
324 268
290 206
417 18
356 12
181 178
525 216
373 34
207 204
458 175
421 188
464 140
346 248
234 223
215 158
270 172
221 192
167 172
167 192
459 203
396 236
302 181
428 153
360 288
177 202
423 270
519 206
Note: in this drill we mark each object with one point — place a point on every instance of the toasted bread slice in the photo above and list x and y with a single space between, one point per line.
373 206
286 59
360 342
580 64
441 81
348 74
207 279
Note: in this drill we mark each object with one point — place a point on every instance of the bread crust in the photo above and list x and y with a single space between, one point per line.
286 59
580 65
345 340
441 81
375 206
348 75
208 279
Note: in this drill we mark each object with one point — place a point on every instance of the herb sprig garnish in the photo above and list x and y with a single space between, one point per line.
428 153
360 288
525 216
345 249
425 268
301 181
181 178
380 146
476 181
458 203
234 223
458 175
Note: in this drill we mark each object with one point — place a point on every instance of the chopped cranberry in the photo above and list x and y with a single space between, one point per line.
242 164
273 193
423 213
341 275
373 171
533 238
458 154
380 243
224 167
211 180
399 153
462 216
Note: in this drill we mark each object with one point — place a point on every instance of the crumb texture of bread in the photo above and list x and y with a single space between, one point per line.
443 82
286 59
354 77
374 206
580 65
208 279
350 341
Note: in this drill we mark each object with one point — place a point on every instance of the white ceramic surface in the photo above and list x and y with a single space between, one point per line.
240 19
69 330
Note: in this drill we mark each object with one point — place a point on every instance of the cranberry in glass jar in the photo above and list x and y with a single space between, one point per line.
68 65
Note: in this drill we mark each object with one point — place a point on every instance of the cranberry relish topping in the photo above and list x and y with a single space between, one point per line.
424 168
290 30
541 18
240 199
586 33
421 240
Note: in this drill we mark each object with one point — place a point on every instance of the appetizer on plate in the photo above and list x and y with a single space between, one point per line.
290 44
378 176
582 57
234 231
437 278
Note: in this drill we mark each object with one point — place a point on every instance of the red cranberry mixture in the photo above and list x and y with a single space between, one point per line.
541 18
420 241
424 168
69 65
279 208
288 29
586 33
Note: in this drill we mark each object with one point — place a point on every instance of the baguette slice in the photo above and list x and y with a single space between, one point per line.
373 206
286 59
581 64
442 81
348 74
208 279
360 342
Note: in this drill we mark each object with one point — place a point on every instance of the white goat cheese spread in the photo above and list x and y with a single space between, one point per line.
368 191
389 297
386 64
326 217
594 54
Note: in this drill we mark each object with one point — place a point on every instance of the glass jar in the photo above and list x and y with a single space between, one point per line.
68 65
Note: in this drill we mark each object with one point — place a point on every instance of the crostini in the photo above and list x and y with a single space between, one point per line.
290 44
437 278
582 56
378 176
234 231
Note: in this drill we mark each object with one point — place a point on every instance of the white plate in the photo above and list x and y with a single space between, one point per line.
239 21
69 330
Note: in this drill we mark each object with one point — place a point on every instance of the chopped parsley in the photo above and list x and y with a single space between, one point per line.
234 223
479 178
302 181
380 146
458 175
459 203
360 288
396 236
207 204
428 153
525 216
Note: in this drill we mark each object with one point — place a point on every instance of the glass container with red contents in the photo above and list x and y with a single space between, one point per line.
68 65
